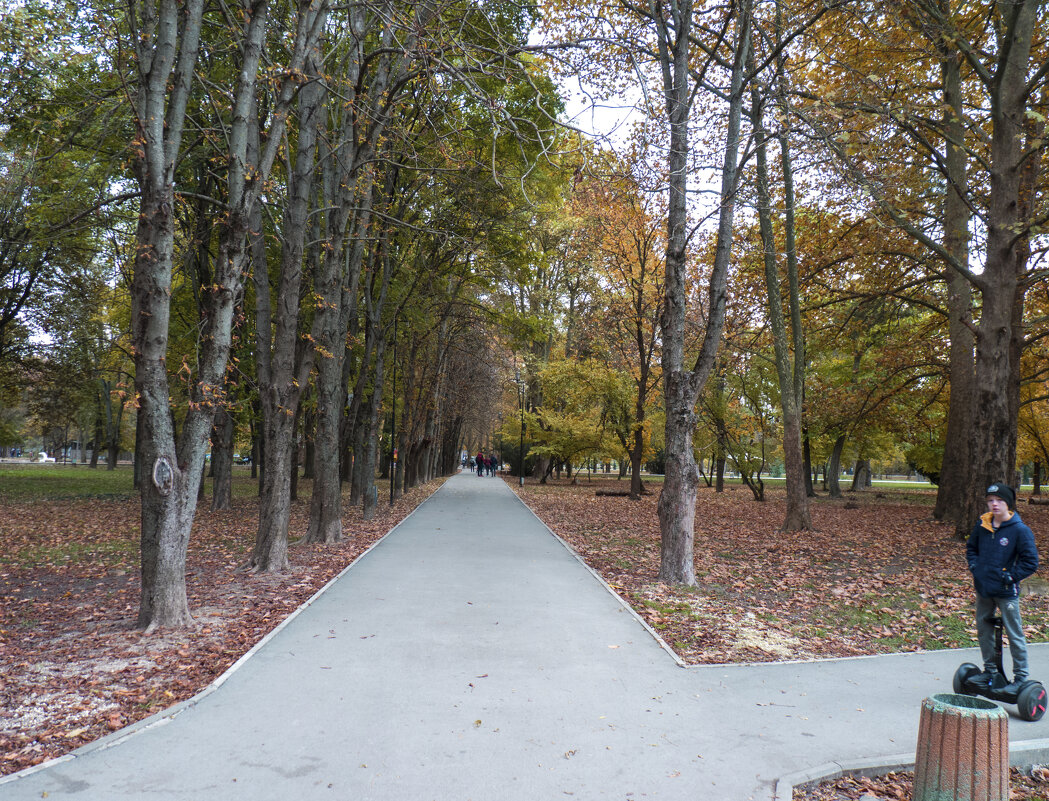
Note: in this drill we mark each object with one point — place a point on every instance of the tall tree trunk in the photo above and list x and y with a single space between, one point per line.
861 475
636 453
326 501
721 441
296 450
222 460
953 487
807 456
113 414
677 501
994 432
97 439
834 468
170 472
371 443
797 516
166 51
283 377
309 423
342 264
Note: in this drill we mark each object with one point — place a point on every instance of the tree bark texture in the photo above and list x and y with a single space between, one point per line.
284 373
222 460
797 515
677 501
994 429
834 468
953 486
170 473
371 440
166 51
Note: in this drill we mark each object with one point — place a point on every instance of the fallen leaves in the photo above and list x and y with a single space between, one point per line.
880 577
73 667
1030 785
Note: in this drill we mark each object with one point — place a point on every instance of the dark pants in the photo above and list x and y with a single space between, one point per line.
1009 609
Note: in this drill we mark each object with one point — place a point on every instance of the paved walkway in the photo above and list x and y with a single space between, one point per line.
471 656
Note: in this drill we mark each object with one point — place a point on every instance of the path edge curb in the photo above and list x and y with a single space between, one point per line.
165 716
1022 754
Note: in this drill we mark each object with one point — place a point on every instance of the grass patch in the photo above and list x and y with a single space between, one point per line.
21 482
62 481
956 633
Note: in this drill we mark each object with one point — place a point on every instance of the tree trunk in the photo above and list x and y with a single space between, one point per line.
97 440
953 487
342 264
282 376
326 502
677 501
371 442
222 460
166 61
807 455
357 473
636 488
797 516
993 442
834 468
861 476
296 449
309 426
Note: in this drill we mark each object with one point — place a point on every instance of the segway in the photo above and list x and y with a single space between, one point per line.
1030 697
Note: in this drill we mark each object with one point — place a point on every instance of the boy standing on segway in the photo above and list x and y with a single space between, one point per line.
1001 553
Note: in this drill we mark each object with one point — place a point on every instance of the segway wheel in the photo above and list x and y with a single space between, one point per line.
1032 701
962 675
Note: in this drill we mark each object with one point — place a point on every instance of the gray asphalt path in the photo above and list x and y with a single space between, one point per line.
470 656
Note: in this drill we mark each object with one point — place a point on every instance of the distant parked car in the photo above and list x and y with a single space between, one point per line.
43 457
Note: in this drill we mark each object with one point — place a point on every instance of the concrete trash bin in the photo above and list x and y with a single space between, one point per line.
963 750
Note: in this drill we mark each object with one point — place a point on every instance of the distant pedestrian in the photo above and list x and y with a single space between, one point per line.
480 464
1001 553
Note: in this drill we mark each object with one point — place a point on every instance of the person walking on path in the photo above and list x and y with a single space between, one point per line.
1001 553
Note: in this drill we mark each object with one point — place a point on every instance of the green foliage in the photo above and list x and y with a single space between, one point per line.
574 423
739 411
927 457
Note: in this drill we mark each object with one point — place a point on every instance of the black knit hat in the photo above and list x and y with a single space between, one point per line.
1003 491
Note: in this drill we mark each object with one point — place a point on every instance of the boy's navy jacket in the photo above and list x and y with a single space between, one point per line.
1000 560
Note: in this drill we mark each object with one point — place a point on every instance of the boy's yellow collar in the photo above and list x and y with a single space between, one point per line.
986 520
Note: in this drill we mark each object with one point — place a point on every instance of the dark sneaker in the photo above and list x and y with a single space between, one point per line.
982 681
